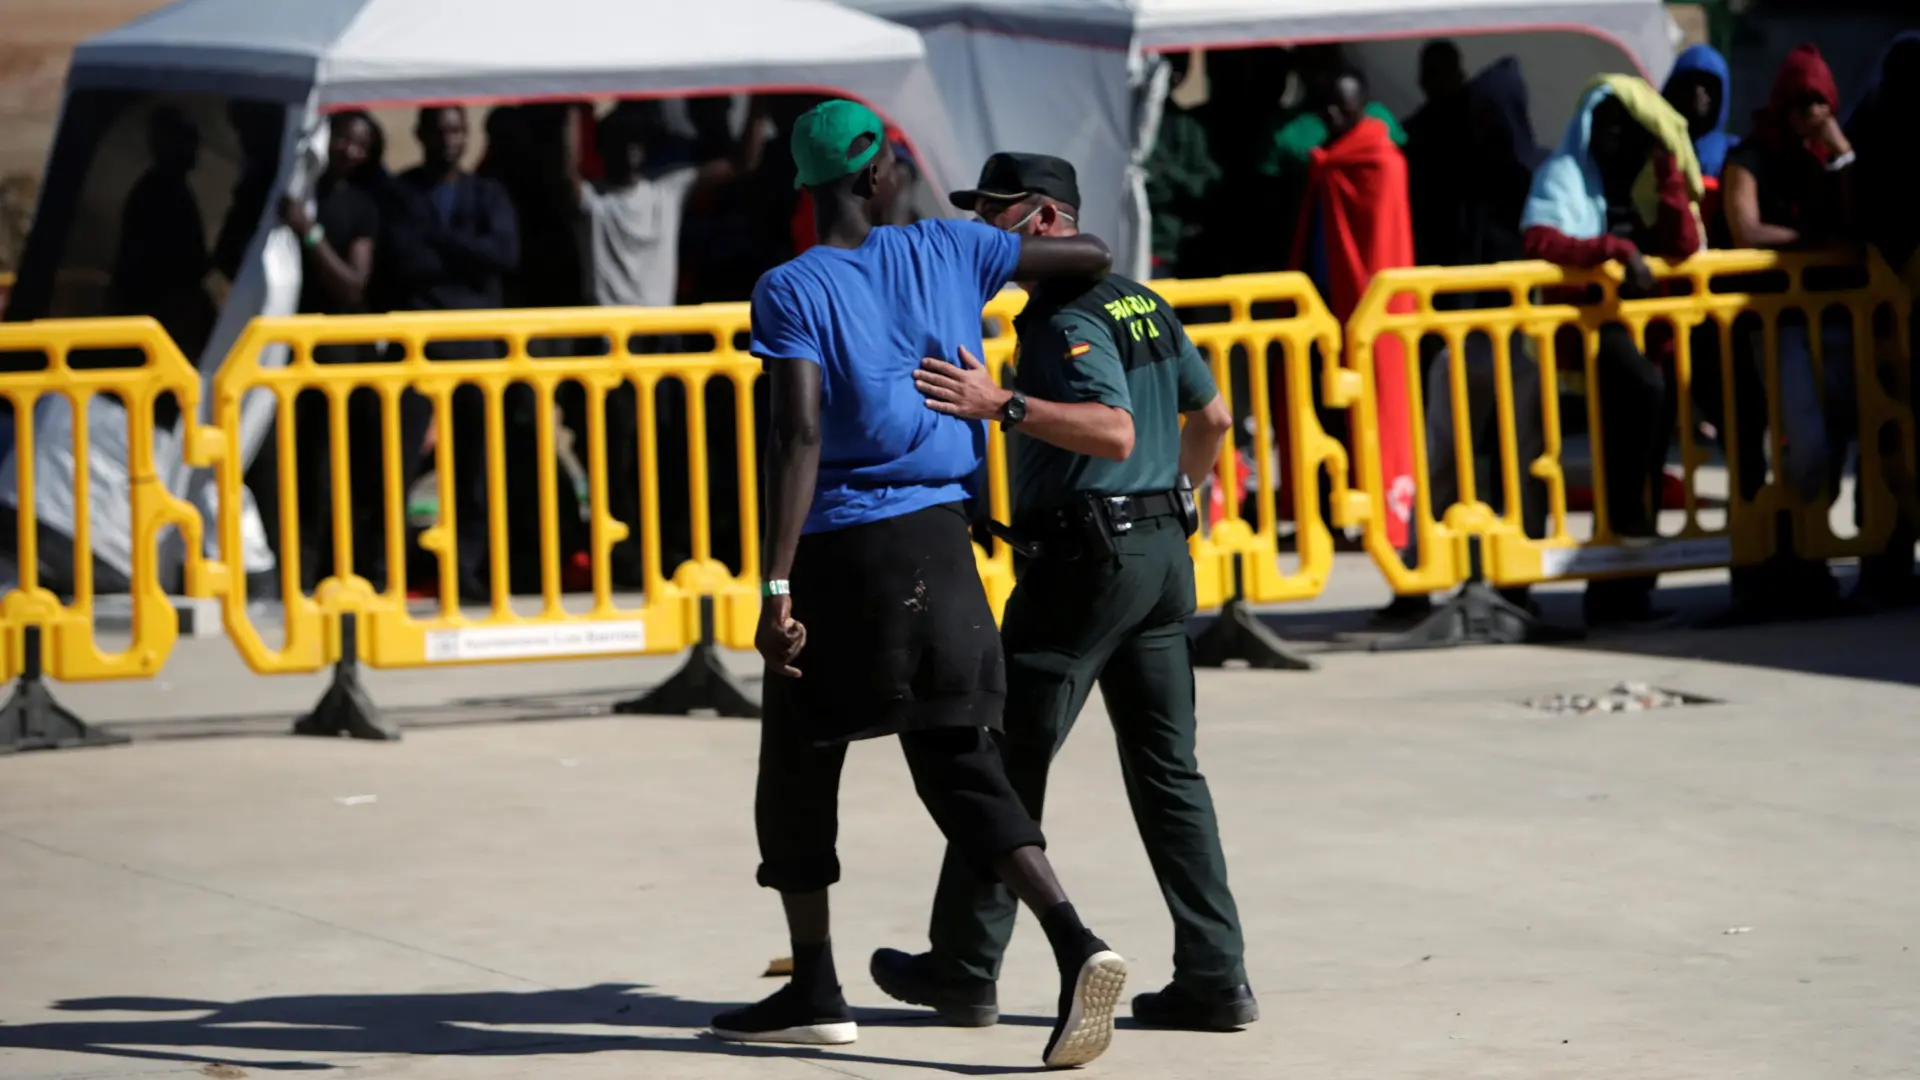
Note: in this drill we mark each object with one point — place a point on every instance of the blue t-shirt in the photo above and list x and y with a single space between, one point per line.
868 316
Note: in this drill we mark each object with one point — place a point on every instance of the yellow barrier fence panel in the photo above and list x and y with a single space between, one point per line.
134 362
611 364
1517 316
1273 326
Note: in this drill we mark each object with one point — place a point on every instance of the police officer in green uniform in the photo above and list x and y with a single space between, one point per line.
1103 507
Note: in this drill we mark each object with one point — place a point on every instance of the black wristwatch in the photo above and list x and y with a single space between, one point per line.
1014 411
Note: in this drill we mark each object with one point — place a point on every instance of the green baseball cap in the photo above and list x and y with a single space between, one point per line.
823 136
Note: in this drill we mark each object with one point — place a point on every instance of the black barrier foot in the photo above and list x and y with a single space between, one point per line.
1476 615
346 708
1238 634
703 682
33 720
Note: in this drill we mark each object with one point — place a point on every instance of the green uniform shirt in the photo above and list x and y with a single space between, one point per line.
1117 343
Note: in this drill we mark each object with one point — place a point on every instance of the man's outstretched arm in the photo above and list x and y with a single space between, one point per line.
1044 258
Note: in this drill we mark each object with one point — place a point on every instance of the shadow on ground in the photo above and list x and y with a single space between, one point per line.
1852 643
460 1025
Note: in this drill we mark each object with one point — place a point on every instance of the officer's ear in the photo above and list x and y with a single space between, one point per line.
1052 215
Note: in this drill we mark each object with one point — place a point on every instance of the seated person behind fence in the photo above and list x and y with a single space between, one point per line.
1699 89
1790 185
1623 185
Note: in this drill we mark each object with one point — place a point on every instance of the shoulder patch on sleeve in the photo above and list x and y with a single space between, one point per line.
1081 349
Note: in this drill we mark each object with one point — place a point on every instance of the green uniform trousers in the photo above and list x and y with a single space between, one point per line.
1122 623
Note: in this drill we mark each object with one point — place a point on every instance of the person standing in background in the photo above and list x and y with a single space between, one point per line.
1440 176
161 266
1884 127
337 238
1181 174
448 241
633 217
1286 155
1355 221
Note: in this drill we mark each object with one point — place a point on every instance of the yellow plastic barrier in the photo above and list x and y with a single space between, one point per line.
1705 290
1267 312
69 649
392 636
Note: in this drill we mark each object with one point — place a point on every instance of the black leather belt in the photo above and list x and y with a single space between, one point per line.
1131 508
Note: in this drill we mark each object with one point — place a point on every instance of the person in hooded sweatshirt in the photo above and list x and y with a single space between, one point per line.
1623 186
1700 89
1790 187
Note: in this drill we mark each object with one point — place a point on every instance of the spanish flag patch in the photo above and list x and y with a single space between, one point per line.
1081 349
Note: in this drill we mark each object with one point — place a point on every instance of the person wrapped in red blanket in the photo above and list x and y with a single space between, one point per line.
1355 222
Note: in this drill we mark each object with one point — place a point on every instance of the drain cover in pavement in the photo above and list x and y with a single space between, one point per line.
1623 698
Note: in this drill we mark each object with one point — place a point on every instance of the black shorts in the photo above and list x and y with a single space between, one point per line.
899 633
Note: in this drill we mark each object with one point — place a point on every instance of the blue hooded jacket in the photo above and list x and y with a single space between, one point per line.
1712 147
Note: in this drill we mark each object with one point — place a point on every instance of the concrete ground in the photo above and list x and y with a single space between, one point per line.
1436 880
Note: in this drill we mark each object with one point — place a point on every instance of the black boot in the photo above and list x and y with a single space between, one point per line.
911 978
1197 1010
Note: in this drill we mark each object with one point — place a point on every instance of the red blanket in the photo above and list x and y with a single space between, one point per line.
1358 185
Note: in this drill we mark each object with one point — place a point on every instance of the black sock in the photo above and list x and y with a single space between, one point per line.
1066 933
813 975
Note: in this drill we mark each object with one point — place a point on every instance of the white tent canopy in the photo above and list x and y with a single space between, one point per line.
1070 76
1639 25
377 52
309 56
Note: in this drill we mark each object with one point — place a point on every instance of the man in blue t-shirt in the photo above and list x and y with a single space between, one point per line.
871 588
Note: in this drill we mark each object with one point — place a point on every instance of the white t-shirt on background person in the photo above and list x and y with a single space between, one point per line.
636 238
